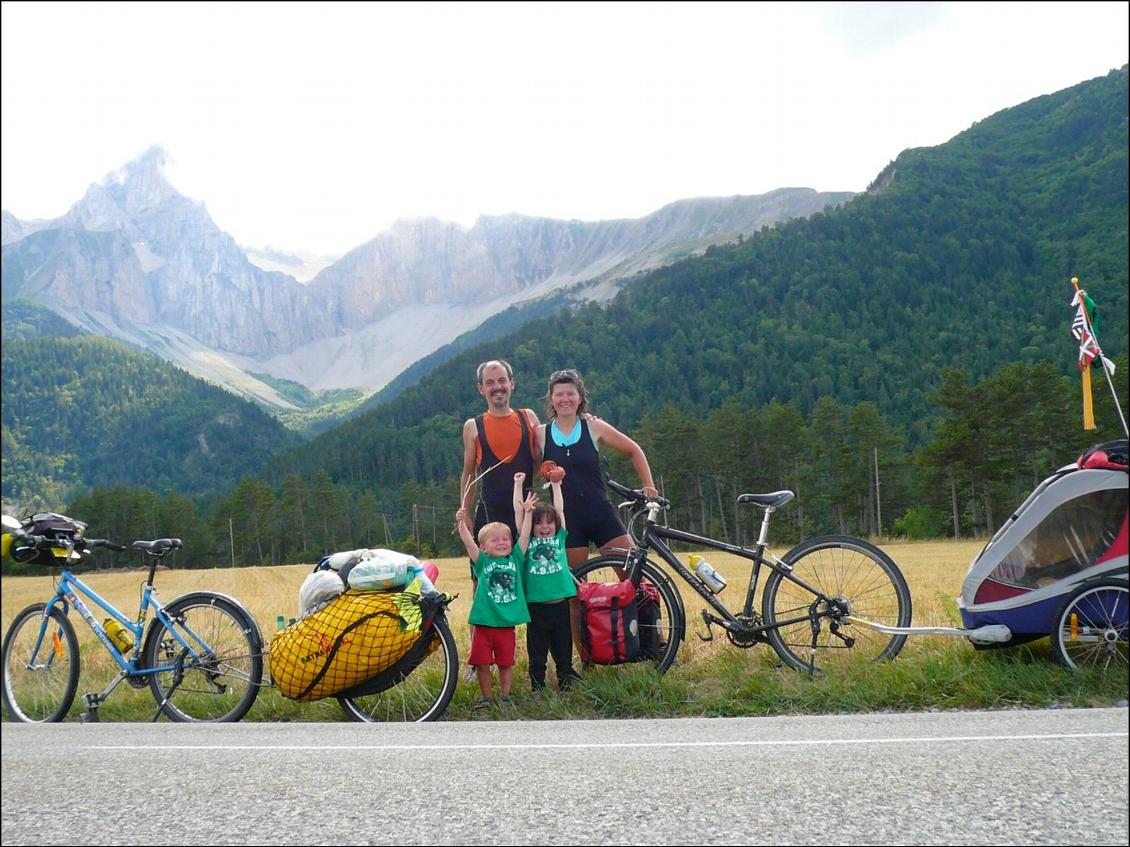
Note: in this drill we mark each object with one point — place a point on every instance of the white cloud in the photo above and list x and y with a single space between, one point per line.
314 126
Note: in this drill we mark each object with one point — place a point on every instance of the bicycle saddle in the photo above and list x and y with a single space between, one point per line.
775 500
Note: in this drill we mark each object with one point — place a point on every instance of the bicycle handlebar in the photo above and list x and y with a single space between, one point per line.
27 539
104 542
41 542
637 496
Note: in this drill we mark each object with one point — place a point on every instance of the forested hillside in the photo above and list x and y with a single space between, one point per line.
21 320
90 411
959 256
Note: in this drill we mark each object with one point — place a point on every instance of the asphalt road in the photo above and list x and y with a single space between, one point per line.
1005 777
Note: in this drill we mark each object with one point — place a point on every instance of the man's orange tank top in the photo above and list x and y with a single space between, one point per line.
504 433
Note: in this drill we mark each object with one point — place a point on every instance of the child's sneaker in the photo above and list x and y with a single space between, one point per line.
471 674
481 705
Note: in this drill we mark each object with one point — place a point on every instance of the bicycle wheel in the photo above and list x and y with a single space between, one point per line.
660 637
422 695
217 676
856 578
41 665
1089 630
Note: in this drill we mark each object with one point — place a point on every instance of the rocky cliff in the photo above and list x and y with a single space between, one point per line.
137 260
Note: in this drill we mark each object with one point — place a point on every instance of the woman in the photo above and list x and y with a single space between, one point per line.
572 439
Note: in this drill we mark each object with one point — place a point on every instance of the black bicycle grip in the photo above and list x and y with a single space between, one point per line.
27 539
103 542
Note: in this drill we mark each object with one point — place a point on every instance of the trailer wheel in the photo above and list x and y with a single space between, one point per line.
1089 629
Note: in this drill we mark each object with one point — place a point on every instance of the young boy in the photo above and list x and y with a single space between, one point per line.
549 585
500 598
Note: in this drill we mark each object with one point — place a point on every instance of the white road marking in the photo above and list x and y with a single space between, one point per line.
808 742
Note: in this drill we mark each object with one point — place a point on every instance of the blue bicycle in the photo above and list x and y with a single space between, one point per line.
202 656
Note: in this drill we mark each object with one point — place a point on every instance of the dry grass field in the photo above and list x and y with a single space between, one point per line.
933 570
711 678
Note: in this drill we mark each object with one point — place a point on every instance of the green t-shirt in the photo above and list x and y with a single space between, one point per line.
547 571
500 598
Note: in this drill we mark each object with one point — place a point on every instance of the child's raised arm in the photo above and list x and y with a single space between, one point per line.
466 536
527 522
519 478
558 502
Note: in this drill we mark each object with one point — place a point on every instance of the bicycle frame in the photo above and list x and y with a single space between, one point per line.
68 591
654 539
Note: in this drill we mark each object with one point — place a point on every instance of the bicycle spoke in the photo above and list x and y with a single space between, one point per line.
854 578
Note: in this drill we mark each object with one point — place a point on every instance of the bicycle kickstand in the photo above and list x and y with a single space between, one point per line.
812 650
94 700
91 713
709 632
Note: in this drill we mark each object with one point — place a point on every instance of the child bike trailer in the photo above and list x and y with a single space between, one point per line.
1058 565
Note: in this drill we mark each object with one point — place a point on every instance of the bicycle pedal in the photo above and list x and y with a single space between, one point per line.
89 716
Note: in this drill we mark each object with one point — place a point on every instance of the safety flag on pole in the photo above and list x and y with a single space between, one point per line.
1084 327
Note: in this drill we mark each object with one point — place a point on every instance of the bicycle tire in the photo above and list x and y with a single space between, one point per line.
222 683
40 692
671 624
855 573
1100 605
423 694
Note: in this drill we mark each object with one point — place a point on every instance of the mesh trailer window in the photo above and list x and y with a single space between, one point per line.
1070 539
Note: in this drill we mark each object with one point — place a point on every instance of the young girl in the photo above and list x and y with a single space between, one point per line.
549 585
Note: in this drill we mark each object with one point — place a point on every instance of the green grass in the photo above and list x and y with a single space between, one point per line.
710 679
717 680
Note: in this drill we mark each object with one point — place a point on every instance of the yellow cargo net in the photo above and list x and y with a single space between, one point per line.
353 638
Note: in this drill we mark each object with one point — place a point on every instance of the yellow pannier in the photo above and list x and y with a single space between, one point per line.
351 639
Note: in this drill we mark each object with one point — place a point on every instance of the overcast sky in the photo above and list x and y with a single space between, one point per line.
312 127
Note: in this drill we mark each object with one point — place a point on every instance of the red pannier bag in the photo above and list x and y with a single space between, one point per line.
609 622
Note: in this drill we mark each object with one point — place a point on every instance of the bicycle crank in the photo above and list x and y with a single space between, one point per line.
748 635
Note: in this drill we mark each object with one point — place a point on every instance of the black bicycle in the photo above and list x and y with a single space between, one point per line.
829 596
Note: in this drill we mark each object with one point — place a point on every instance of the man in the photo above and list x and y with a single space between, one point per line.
496 445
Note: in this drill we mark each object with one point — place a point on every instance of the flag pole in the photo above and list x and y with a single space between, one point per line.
1088 413
1085 364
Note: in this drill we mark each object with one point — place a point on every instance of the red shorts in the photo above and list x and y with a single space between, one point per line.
492 645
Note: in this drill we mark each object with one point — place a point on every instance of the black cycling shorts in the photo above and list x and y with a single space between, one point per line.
595 523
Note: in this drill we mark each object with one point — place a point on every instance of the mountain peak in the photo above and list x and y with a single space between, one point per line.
140 185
